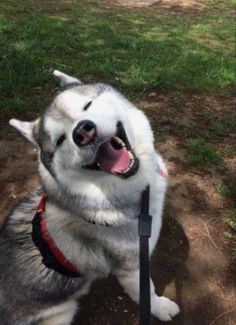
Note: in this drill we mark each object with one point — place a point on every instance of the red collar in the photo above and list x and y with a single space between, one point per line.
52 256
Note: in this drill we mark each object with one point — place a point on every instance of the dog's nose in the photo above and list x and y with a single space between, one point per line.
84 133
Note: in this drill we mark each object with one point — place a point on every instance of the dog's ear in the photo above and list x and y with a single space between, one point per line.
28 129
65 79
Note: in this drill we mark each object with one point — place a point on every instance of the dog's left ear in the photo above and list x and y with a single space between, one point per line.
65 79
28 129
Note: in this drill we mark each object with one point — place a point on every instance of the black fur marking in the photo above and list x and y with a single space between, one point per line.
85 108
46 158
61 140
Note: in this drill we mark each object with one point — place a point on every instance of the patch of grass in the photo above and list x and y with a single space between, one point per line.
221 127
217 128
230 236
206 115
228 188
201 153
189 130
229 217
223 190
229 122
176 96
133 50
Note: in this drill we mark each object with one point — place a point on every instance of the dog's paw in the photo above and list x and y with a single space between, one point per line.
164 309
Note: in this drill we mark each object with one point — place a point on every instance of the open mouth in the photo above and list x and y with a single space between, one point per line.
116 156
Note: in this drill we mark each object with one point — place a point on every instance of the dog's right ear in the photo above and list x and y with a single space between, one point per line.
65 79
28 129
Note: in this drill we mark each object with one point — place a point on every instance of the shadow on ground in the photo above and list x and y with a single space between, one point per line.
107 303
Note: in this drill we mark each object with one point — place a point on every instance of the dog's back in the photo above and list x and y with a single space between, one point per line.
28 290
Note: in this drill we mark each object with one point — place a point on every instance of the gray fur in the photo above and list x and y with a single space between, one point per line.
26 284
30 293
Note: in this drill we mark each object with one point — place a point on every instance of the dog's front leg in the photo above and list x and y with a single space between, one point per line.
161 307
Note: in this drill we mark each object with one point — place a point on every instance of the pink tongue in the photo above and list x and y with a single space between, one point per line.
112 160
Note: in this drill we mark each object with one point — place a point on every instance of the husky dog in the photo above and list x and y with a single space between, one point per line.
96 156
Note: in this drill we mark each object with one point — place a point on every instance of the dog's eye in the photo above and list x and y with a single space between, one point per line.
61 139
87 106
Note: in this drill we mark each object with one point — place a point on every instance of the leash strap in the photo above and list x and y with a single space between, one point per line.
145 225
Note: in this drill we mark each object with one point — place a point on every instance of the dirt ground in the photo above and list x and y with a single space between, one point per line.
175 5
192 262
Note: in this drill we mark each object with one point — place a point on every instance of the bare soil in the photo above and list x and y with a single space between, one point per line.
192 262
175 5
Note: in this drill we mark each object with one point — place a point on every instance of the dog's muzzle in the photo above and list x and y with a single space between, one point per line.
114 156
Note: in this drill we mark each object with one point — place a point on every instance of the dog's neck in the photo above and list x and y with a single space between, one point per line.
115 210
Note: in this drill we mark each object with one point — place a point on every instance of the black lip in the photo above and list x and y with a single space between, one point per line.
122 135
93 166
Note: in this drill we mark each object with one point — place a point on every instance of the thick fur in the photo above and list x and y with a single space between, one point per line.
30 293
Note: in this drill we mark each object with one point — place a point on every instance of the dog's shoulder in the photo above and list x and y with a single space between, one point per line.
23 208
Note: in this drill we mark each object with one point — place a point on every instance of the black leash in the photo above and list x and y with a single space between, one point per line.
145 225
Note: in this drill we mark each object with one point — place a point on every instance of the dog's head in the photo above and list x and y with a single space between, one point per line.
90 133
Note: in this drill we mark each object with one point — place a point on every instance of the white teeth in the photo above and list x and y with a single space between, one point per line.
119 141
130 155
126 170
